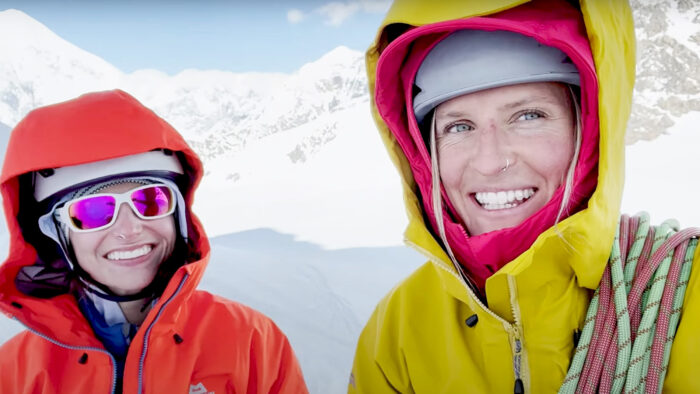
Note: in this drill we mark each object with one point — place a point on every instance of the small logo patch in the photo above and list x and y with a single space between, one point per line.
199 389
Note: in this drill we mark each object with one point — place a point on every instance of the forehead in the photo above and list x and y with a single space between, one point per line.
511 96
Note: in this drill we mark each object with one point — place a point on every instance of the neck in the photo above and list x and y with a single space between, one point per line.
135 311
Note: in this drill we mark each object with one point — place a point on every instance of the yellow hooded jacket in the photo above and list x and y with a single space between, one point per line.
431 334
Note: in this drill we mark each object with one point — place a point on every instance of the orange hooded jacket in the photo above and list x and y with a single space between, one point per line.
190 340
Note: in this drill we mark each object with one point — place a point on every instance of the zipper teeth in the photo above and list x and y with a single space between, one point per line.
150 327
447 268
55 342
514 306
519 350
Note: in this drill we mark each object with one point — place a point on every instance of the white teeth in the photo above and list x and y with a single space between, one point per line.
503 199
131 254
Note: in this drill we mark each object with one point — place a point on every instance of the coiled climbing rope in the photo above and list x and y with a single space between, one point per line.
631 321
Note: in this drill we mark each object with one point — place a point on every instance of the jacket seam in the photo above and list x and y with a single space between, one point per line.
146 336
63 345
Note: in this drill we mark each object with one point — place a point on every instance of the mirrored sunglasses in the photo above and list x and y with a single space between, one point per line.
99 211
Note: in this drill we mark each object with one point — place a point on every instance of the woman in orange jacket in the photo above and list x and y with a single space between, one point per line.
105 256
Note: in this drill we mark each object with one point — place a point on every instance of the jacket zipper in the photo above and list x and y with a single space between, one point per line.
63 345
513 330
150 327
518 348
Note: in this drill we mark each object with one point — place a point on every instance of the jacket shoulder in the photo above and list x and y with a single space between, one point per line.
377 367
418 289
12 371
30 364
14 346
224 332
204 305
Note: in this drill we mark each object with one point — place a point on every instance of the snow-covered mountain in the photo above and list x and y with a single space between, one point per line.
218 112
668 65
38 67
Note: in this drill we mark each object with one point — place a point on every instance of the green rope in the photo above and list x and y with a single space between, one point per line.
641 350
663 245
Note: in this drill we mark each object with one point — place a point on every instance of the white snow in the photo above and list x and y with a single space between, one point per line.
350 186
683 25
661 174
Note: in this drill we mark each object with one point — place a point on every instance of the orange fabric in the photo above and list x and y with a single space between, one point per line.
189 338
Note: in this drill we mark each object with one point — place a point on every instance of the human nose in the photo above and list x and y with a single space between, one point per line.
491 152
127 223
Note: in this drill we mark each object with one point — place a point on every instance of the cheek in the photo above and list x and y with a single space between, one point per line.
165 228
452 164
554 158
84 244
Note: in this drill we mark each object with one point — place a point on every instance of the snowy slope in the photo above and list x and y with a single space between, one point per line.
349 186
661 175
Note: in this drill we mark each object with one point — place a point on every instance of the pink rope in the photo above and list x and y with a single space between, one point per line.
665 311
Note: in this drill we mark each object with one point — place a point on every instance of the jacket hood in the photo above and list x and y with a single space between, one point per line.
92 127
606 66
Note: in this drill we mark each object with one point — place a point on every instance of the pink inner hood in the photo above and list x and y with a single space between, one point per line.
483 255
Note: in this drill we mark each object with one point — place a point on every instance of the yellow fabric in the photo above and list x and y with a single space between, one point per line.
417 339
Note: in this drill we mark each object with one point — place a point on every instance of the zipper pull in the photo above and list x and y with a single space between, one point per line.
519 387
517 359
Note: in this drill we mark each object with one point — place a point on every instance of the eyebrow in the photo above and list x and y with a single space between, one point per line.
456 113
527 100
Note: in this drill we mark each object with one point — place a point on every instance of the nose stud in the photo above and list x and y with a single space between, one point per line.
506 166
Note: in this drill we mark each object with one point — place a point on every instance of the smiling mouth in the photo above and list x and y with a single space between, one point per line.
503 199
129 254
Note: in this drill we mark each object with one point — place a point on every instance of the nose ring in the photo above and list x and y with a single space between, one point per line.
506 166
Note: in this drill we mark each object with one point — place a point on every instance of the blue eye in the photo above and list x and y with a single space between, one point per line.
530 116
458 128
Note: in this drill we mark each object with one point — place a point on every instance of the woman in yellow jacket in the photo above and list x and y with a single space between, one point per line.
506 120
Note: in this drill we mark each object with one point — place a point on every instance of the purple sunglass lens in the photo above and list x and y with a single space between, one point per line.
153 201
92 213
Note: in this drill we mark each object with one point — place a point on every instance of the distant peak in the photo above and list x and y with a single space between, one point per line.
341 52
15 22
17 15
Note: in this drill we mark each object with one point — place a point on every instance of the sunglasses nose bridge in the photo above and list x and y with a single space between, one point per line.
126 221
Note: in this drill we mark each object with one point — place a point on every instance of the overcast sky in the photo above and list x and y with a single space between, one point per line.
230 35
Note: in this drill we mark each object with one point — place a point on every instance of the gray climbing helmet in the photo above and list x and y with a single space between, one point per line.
468 61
